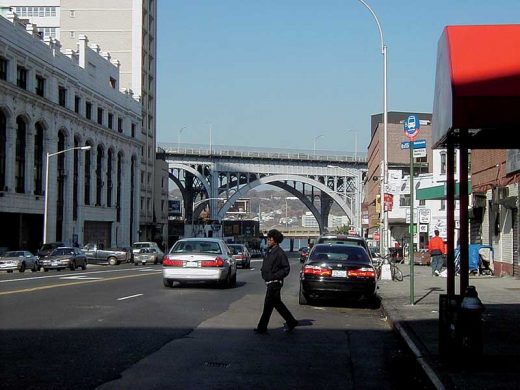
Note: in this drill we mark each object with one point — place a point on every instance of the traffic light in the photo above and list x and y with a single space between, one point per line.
378 203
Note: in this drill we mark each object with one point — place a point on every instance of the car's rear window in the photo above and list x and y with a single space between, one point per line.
342 253
63 251
196 246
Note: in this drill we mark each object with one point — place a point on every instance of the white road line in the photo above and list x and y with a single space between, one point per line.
80 277
128 297
82 273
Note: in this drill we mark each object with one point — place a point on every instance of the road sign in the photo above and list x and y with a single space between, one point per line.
423 228
411 126
424 215
419 153
417 144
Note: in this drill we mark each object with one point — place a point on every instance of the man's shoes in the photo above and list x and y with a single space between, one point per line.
260 331
437 273
287 328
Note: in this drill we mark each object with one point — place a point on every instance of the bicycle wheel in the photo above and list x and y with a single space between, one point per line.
396 273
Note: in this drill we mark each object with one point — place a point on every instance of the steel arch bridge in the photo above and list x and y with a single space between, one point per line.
218 174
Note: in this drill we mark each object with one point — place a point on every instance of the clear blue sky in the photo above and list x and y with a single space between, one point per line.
278 73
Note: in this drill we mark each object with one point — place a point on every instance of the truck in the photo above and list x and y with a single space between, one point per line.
96 254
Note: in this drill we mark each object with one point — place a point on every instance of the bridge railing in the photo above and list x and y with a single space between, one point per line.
263 153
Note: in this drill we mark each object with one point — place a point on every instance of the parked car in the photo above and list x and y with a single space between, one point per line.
146 255
337 270
137 246
241 255
113 256
304 253
346 239
19 260
48 248
64 257
200 260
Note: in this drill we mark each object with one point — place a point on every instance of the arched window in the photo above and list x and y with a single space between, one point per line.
19 168
3 131
75 181
109 177
38 159
118 189
99 175
60 194
88 165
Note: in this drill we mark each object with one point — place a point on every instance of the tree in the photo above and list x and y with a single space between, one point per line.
343 229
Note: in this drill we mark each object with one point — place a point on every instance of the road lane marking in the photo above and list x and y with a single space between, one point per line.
72 284
83 273
130 296
80 277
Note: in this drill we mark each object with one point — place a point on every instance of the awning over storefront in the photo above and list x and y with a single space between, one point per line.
477 86
438 192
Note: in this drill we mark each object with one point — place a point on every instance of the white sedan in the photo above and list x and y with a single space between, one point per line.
200 260
19 260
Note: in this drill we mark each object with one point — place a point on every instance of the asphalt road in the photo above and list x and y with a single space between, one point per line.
118 327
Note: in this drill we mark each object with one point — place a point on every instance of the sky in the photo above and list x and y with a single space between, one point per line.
299 74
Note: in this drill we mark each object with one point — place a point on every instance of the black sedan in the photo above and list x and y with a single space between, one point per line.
64 257
337 270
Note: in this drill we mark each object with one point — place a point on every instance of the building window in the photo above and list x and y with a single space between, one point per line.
109 178
19 170
40 86
422 202
3 69
72 13
443 204
99 175
120 125
47 32
87 177
88 110
3 130
443 163
404 200
113 82
110 120
100 115
133 130
62 96
21 77
77 102
38 160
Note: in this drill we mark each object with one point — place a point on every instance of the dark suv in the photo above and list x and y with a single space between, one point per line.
46 249
344 239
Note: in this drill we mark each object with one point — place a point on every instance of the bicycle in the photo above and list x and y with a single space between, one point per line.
395 272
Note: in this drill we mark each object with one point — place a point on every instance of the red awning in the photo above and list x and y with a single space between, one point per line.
477 86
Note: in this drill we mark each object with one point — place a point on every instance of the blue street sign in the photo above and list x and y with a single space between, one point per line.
411 126
419 144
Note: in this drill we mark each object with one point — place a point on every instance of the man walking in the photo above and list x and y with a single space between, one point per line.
436 249
275 268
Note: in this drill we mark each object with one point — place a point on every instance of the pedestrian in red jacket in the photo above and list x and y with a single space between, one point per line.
436 248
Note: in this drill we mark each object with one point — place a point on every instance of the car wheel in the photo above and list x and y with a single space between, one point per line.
233 280
168 283
72 266
302 299
135 264
35 267
84 266
9 271
112 260
45 270
22 267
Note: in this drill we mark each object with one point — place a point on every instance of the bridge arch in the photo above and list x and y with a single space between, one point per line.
278 180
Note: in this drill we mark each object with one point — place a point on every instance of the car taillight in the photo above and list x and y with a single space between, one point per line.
316 270
362 273
167 262
218 262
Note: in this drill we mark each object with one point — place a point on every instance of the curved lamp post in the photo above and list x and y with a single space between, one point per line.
384 182
316 139
179 137
46 210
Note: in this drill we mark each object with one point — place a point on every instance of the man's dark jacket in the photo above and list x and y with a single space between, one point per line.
276 265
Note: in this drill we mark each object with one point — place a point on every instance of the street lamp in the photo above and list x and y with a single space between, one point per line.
179 137
355 141
46 210
384 182
315 139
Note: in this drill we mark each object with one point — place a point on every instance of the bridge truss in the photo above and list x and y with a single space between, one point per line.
223 178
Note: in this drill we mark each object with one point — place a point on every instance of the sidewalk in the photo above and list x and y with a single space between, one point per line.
418 326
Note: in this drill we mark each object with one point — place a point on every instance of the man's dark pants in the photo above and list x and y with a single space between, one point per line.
274 301
436 261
